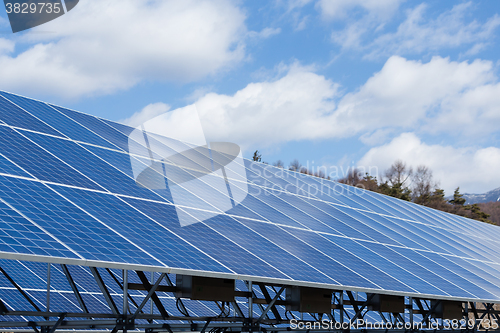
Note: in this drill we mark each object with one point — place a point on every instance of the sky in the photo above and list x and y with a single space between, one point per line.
332 83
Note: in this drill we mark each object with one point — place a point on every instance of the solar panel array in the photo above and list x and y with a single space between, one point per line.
67 191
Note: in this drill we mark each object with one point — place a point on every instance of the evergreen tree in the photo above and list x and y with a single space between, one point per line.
257 157
458 199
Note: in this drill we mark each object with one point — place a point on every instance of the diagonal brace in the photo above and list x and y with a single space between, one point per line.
104 290
58 323
148 296
270 304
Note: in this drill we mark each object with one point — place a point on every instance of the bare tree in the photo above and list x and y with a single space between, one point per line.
353 177
279 164
295 166
423 185
398 173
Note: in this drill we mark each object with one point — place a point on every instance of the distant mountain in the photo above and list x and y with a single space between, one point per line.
493 195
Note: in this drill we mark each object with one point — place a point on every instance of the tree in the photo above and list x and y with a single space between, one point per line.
257 157
458 199
422 185
395 190
352 177
396 177
398 173
279 164
295 166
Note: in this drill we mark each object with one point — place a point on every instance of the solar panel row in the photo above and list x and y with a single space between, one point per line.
67 190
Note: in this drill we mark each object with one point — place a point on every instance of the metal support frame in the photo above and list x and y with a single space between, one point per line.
269 300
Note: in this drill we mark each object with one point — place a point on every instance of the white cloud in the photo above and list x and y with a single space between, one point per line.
295 107
440 96
418 34
104 46
265 33
148 112
6 46
474 170
335 9
405 93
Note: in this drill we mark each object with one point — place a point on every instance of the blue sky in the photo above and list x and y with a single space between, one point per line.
332 83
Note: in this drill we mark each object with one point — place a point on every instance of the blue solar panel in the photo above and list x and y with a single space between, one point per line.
58 121
97 126
85 204
7 167
108 177
15 116
39 162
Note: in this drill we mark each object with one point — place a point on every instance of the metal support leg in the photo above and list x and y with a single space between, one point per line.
250 300
341 303
48 288
411 311
125 291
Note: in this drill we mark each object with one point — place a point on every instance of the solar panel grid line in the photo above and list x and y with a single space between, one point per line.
329 256
351 253
426 211
93 168
465 273
5 165
104 224
273 240
32 115
21 118
163 226
361 200
263 259
41 228
448 218
329 195
458 244
393 204
22 137
103 128
476 268
378 201
415 236
29 100
443 271
464 241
